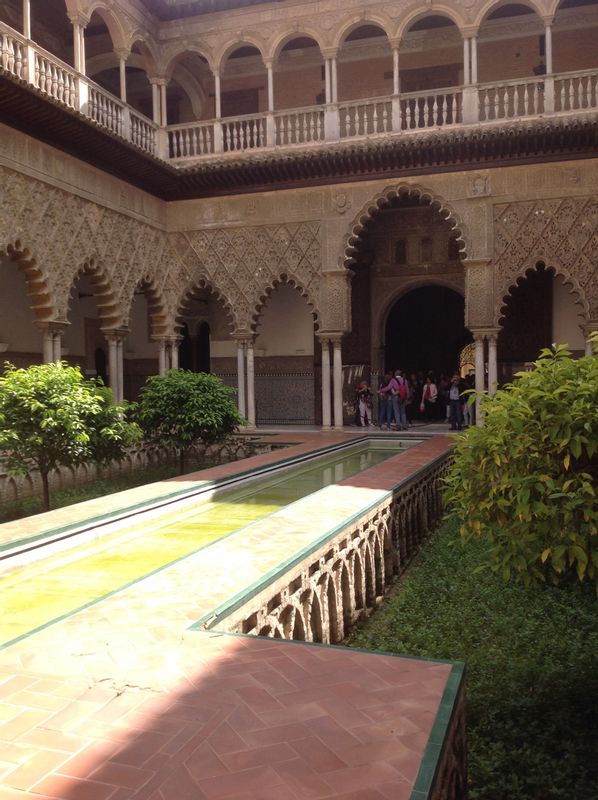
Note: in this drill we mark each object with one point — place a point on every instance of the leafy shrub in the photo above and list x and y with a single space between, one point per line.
180 408
50 416
531 679
526 480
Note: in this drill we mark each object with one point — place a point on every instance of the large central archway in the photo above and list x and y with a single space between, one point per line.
425 331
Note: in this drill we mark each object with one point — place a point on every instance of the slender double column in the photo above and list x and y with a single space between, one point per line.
591 327
480 337
116 340
246 378
168 353
337 380
52 341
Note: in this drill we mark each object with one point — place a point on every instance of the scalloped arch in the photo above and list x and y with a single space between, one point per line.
155 306
550 263
281 280
42 303
373 206
106 301
186 297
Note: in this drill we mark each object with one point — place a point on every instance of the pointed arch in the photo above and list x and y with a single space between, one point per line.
382 199
315 618
38 291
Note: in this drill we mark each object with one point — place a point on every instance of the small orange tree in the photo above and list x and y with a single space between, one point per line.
51 416
527 480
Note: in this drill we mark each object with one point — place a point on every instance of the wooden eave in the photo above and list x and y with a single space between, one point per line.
505 143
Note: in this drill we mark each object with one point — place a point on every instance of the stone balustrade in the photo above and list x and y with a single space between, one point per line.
320 598
393 115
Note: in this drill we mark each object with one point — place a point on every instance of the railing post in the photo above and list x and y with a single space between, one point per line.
331 123
470 109
218 137
396 113
270 130
30 64
125 123
83 95
549 94
162 144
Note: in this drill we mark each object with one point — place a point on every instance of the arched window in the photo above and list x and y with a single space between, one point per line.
401 251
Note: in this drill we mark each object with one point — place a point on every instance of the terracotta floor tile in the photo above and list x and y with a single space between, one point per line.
121 775
303 781
34 769
65 788
259 756
246 780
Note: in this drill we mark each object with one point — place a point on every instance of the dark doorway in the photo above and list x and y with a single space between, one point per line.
203 347
527 322
425 331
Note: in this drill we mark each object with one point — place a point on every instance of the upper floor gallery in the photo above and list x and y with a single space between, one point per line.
219 79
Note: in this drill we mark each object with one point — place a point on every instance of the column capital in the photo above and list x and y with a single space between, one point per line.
395 43
589 327
548 20
469 32
122 52
482 333
329 52
79 18
245 337
157 80
116 334
52 326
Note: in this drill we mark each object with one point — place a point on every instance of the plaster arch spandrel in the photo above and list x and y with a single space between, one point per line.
561 232
243 262
479 297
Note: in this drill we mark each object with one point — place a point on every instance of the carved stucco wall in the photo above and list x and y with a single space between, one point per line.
56 234
561 232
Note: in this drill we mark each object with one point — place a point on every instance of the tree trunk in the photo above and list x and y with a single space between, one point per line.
45 491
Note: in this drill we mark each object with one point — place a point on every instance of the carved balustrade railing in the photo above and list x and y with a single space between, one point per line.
576 91
299 126
512 99
320 598
404 114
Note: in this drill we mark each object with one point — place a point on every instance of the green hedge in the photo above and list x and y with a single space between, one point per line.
532 668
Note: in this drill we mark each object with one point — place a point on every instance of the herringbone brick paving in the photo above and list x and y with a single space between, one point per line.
121 701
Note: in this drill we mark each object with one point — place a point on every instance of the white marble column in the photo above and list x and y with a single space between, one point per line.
333 80
480 382
162 367
395 70
26 19
466 64
76 45
250 384
163 106
82 65
174 353
326 415
548 47
48 347
51 341
113 366
270 69
587 330
474 59
156 114
241 405
217 96
120 371
492 363
122 62
337 375
328 81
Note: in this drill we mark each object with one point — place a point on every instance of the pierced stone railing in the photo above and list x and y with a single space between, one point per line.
425 110
299 126
511 99
576 91
396 115
13 52
320 598
191 140
365 117
243 133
